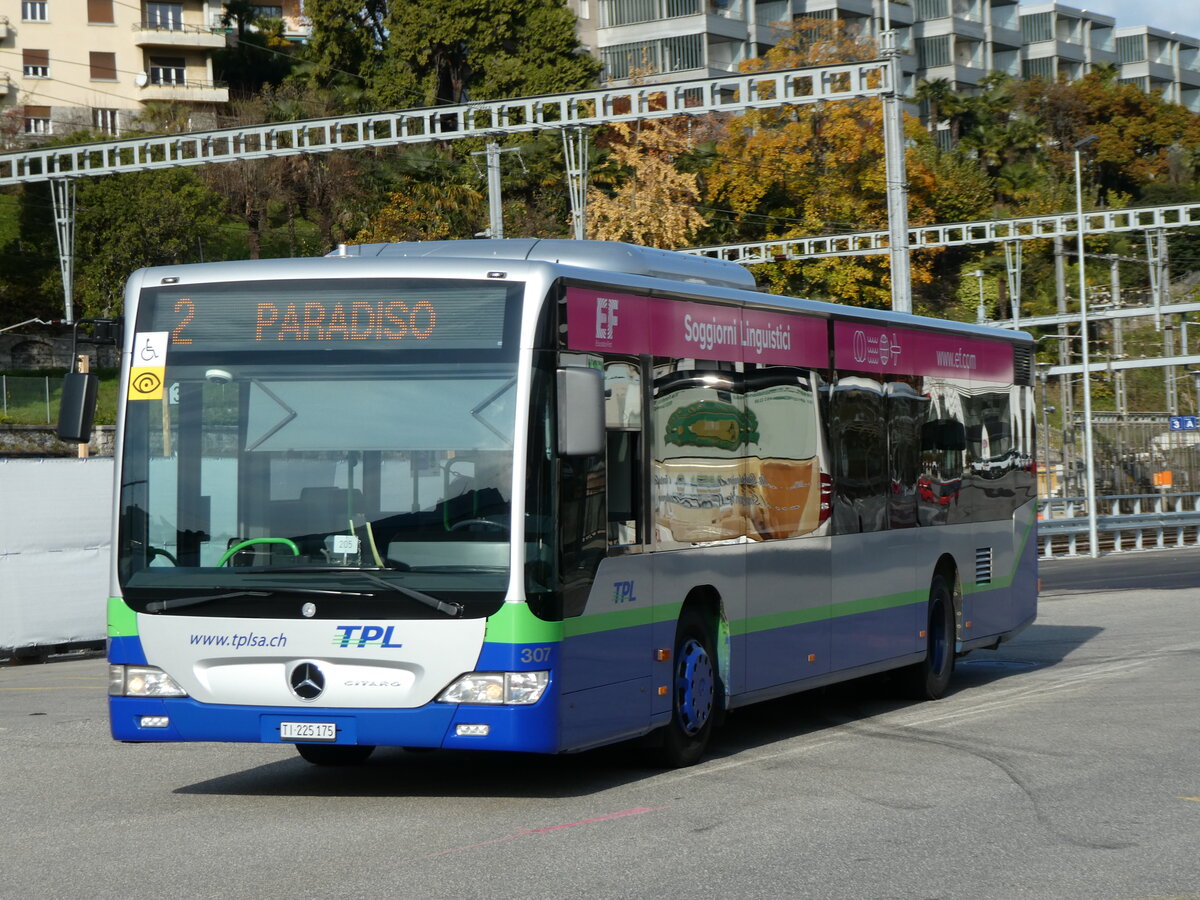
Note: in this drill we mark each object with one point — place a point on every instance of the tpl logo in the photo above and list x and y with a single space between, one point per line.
367 636
606 318
623 592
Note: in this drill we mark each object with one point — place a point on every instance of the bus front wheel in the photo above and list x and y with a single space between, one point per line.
694 694
930 678
335 754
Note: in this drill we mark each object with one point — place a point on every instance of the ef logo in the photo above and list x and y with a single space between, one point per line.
606 318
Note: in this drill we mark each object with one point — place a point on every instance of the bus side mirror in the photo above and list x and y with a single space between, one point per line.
580 411
77 407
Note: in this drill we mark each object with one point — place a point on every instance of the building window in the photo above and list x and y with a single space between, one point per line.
34 11
103 66
931 9
168 70
1037 27
629 12
164 16
36 63
100 12
674 54
267 12
1131 49
37 120
1038 68
107 120
933 51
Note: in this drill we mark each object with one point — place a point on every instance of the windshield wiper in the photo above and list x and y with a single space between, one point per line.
155 606
443 606
449 607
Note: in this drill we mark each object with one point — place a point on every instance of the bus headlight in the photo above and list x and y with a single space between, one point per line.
511 688
142 681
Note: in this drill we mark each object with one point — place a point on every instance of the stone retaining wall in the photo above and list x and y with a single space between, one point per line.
42 441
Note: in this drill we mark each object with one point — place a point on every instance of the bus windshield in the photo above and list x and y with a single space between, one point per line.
370 478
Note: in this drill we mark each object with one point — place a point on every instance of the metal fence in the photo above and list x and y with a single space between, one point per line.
29 400
1128 522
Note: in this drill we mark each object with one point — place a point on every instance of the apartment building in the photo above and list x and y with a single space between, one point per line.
66 65
1158 60
961 41
1063 43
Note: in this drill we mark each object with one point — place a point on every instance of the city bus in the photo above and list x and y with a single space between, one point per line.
543 496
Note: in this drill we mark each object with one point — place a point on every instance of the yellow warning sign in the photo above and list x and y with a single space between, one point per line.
146 383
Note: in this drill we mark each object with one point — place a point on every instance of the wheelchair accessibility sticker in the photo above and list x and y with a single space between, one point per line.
149 365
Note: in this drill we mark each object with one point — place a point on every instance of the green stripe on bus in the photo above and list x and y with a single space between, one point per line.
820 613
1004 581
515 623
122 621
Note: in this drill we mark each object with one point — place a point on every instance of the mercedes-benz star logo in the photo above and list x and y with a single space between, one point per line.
307 681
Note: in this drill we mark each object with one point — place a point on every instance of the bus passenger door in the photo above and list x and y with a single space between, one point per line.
607 659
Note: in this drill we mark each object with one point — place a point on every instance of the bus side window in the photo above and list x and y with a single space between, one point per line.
623 419
858 438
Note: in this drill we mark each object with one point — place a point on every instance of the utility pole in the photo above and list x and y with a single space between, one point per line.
894 170
1012 262
575 155
1118 338
495 202
1064 358
63 194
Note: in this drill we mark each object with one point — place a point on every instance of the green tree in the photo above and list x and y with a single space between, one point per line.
451 51
124 222
346 40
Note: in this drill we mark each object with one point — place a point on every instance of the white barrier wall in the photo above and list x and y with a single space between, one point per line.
55 521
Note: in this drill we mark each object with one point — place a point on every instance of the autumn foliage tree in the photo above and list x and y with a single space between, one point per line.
650 201
819 169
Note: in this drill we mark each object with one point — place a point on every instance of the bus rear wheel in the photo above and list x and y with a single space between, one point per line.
335 754
930 678
694 694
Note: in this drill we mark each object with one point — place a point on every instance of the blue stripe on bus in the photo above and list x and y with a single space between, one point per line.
126 650
519 728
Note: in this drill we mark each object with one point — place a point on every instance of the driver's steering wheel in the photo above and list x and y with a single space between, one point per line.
485 523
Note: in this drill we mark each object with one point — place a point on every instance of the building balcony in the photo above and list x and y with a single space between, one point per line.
3 27
181 92
4 84
189 37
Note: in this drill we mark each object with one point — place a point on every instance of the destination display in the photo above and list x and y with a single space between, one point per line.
328 314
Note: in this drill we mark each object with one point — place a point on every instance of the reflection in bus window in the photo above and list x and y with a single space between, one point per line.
700 426
943 440
858 440
786 484
906 410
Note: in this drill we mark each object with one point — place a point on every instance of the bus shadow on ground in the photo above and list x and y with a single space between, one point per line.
394 772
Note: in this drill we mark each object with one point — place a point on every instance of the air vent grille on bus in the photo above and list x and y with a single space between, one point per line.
983 565
1023 366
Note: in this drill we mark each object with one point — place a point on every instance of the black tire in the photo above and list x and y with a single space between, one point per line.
930 678
695 694
335 754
